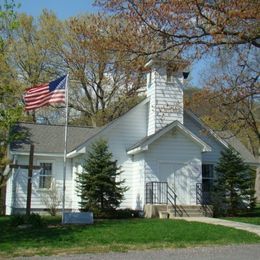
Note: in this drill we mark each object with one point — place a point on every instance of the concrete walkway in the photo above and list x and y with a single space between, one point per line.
216 221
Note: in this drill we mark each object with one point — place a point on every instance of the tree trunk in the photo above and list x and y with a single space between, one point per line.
2 199
257 183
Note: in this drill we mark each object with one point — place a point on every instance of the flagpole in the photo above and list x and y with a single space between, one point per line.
65 146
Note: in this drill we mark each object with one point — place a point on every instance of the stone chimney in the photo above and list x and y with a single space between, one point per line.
165 90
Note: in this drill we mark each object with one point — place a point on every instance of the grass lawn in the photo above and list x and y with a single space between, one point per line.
252 217
114 235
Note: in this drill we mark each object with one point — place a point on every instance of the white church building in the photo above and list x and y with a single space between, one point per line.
160 146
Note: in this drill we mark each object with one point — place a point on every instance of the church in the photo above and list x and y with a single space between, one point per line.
166 153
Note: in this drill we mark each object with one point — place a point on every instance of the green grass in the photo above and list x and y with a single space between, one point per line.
114 235
251 217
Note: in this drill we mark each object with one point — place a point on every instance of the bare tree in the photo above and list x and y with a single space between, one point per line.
52 198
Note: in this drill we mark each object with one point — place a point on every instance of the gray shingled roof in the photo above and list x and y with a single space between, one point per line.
50 138
233 141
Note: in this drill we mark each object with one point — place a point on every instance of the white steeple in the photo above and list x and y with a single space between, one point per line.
165 90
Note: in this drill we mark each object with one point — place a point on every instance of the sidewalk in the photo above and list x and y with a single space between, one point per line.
216 221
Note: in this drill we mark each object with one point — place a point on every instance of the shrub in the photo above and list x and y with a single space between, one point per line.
116 214
233 190
16 220
52 198
98 185
35 220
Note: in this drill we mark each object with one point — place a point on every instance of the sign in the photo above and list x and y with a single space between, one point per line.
78 218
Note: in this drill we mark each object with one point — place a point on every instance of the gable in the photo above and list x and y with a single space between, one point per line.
125 130
144 144
173 146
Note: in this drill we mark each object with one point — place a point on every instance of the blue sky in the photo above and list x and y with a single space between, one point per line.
62 8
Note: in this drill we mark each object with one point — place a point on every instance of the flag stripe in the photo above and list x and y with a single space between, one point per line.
45 102
31 98
42 99
37 88
42 96
46 91
45 94
56 97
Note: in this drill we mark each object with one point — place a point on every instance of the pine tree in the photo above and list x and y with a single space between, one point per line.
234 188
98 185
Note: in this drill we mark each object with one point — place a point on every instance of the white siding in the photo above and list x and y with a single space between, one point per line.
166 99
138 181
176 148
151 105
76 168
124 133
10 189
198 130
19 186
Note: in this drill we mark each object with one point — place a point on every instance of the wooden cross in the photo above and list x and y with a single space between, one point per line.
30 168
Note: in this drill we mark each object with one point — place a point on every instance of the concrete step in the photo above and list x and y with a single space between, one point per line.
152 210
172 215
187 211
163 214
187 214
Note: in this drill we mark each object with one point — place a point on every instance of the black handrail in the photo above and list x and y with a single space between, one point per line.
161 193
198 193
174 199
156 192
202 200
177 208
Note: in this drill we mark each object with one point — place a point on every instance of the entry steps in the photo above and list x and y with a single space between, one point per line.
186 211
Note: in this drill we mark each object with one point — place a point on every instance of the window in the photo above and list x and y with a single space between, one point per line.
207 182
207 171
45 175
207 177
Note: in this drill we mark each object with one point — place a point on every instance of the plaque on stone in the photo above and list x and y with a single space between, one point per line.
78 218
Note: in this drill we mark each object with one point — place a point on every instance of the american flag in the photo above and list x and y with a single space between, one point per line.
45 94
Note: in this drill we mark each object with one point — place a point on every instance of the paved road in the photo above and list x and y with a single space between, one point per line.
238 252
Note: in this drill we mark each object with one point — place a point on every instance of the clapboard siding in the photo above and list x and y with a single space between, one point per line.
19 188
9 192
166 99
175 147
151 105
124 133
77 167
138 182
204 135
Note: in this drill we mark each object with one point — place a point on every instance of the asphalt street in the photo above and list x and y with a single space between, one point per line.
237 252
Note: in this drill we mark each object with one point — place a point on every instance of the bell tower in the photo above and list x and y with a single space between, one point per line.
165 89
